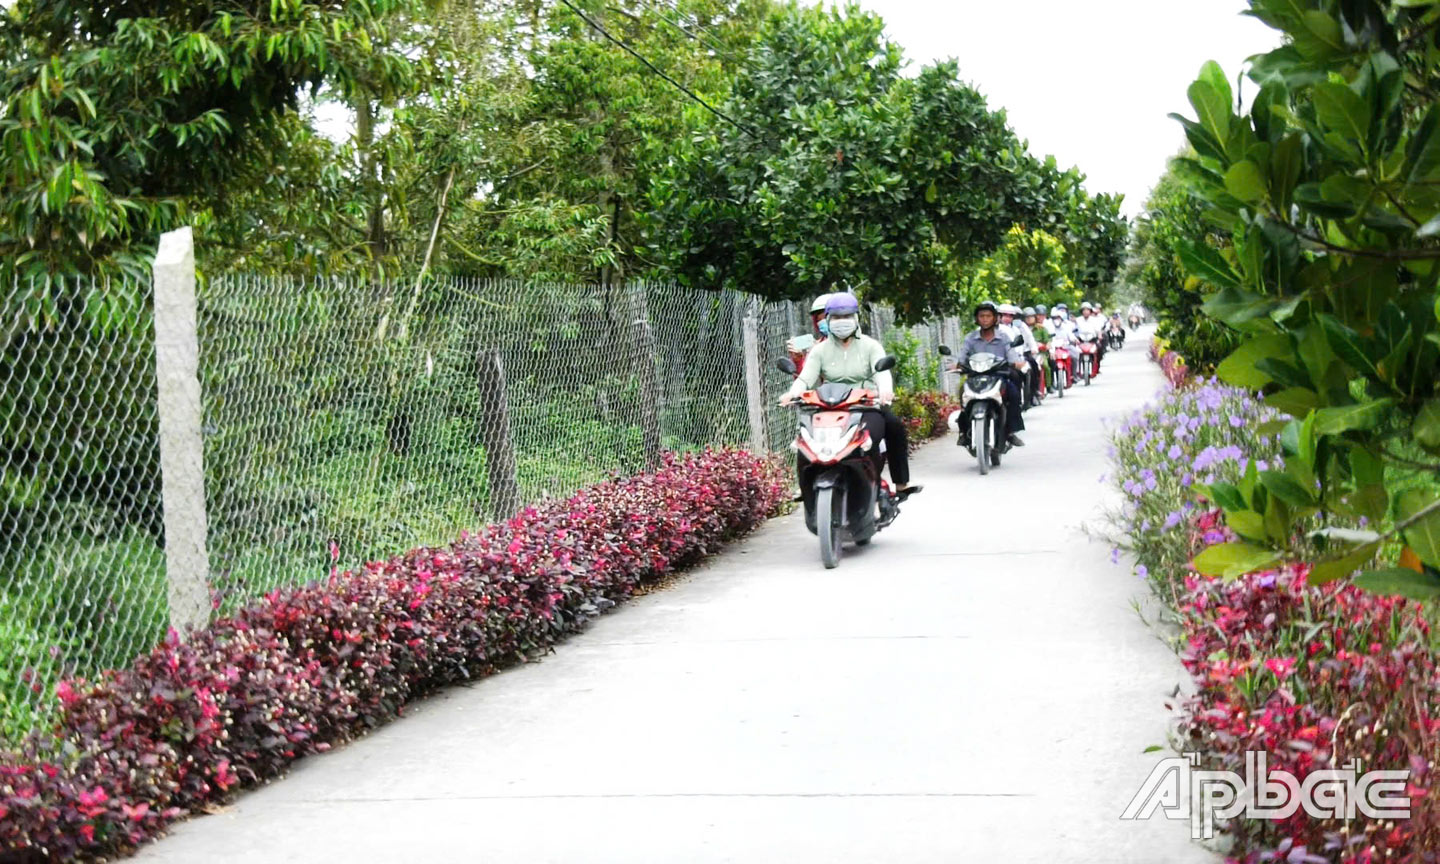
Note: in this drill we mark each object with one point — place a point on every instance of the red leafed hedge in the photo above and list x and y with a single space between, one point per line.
233 705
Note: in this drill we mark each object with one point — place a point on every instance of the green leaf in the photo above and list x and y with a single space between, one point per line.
1208 264
1211 108
1286 488
1232 560
1319 36
1348 418
1329 571
1399 582
1295 401
1341 109
1426 430
1224 494
1346 343
1247 523
1424 535
1245 181
1423 154
1239 368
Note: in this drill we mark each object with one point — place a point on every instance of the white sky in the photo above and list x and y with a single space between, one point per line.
1090 81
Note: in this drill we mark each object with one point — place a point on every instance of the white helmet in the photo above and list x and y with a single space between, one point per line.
1009 309
818 307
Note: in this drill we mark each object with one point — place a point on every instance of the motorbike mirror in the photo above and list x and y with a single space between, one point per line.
786 365
945 349
885 364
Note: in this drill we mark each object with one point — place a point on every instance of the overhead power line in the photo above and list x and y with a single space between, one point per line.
653 68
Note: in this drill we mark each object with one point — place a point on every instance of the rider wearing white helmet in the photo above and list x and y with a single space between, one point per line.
798 346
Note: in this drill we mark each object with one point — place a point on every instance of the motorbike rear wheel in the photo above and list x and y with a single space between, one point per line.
980 437
830 513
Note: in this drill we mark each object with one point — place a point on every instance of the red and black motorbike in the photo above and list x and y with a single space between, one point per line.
845 496
1088 365
1064 368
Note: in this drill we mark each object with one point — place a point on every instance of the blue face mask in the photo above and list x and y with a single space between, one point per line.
825 328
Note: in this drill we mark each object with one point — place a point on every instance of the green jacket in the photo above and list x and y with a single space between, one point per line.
851 362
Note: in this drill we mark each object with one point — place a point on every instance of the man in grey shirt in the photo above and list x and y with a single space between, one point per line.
988 339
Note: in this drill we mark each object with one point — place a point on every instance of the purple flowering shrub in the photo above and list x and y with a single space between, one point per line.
234 704
1189 436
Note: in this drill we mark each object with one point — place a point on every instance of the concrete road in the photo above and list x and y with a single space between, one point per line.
973 687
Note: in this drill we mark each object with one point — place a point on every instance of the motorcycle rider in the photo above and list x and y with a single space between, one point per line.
1009 313
798 346
1089 327
849 357
1063 335
987 338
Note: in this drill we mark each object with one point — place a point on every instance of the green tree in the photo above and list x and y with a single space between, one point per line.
1329 188
1172 218
1029 267
832 166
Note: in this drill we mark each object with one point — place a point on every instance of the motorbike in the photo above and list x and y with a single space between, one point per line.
1061 369
1089 350
981 419
1115 337
844 495
1134 322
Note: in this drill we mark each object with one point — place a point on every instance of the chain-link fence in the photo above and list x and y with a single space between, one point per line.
340 420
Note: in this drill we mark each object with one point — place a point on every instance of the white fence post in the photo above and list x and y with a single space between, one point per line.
182 454
754 391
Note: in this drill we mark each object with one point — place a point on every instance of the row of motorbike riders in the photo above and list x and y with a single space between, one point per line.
1013 360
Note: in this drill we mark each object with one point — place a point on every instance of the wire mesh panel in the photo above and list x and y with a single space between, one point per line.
342 420
82 580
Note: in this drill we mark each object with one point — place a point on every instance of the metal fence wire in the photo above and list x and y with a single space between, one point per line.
342 417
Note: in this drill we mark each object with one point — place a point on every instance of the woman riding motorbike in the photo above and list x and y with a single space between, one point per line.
849 357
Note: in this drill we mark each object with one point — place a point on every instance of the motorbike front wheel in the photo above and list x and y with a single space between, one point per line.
1060 381
980 437
1085 370
830 513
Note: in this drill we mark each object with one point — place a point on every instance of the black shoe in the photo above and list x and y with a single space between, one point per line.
903 492
798 497
1014 441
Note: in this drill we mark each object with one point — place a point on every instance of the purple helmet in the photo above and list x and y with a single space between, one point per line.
843 303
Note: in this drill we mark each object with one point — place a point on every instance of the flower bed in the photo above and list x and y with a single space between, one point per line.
925 414
233 705
1313 676
1171 363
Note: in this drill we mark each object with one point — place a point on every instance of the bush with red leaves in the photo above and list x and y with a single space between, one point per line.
1314 677
925 414
234 704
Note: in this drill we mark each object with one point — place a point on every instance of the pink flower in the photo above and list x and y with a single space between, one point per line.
1283 667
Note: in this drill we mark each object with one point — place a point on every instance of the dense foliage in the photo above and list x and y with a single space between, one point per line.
1171 219
829 166
233 705
1328 190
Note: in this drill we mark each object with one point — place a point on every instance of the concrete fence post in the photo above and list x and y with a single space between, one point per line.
182 450
754 387
500 472
642 361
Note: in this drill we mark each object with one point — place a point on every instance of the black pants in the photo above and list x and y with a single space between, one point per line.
882 425
897 446
1032 379
1013 421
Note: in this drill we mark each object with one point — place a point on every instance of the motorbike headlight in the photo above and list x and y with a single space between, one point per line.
828 441
984 362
